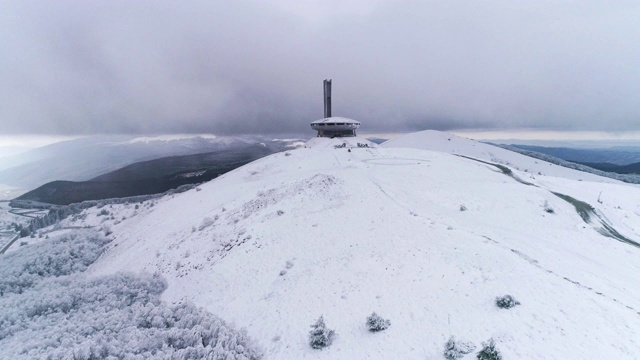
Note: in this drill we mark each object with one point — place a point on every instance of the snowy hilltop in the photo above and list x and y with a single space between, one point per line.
429 246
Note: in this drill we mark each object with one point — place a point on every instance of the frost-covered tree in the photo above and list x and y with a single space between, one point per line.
24 269
319 336
50 310
456 349
489 351
506 302
376 323
61 212
103 212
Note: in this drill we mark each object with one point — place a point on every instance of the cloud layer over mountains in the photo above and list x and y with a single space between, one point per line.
85 67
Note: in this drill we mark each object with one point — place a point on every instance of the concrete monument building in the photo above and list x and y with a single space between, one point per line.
331 126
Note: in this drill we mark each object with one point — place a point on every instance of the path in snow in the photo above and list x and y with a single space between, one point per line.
9 244
587 212
584 209
536 263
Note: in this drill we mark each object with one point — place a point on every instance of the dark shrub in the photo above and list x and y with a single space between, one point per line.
506 302
456 349
489 351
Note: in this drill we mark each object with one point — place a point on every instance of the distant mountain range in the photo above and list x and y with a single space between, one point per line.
619 155
618 169
149 177
86 158
620 160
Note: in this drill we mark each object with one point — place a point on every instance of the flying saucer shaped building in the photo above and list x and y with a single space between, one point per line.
333 126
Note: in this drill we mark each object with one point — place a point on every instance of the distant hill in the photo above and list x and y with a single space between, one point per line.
615 168
625 173
85 158
149 177
614 155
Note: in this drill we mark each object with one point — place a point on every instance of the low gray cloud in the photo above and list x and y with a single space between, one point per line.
85 67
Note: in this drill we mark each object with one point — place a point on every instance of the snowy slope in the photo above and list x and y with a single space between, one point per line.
453 144
322 230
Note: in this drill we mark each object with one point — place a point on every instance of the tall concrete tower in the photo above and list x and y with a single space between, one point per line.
327 98
333 126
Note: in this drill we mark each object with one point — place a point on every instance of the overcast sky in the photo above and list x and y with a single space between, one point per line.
95 67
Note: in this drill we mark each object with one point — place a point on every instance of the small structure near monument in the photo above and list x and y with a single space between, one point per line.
333 126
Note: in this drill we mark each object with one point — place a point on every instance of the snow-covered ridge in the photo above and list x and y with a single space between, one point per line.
424 238
453 144
173 137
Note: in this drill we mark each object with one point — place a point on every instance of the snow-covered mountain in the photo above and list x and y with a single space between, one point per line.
456 145
425 230
85 158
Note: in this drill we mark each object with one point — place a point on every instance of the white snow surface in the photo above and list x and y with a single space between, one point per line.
321 230
453 144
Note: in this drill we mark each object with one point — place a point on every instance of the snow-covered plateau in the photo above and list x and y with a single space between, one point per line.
426 231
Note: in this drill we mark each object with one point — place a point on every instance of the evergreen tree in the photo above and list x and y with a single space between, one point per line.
506 302
376 323
456 349
320 336
489 351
